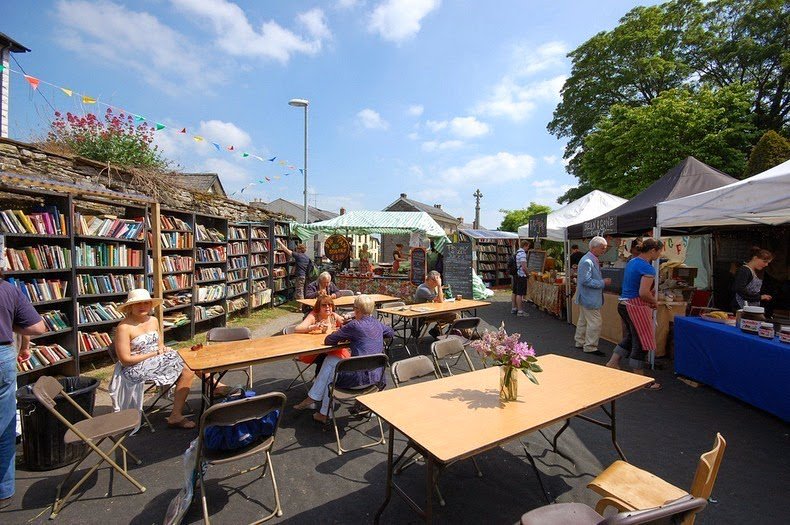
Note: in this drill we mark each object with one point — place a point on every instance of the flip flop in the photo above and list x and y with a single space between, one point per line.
309 406
184 424
654 386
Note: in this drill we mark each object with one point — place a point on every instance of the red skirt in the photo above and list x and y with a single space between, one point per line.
342 353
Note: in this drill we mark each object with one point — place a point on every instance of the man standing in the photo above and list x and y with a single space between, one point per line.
303 266
589 297
520 280
431 292
576 255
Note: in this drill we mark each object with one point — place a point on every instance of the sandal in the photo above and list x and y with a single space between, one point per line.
183 423
653 386
318 417
305 405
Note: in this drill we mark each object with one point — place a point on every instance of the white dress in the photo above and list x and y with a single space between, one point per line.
162 369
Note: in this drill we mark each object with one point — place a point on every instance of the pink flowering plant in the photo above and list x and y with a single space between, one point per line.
507 351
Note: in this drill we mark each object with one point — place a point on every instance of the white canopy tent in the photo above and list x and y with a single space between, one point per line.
761 199
588 207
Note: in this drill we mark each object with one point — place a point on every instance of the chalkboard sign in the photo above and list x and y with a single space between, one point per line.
599 226
536 261
458 268
336 248
418 266
537 225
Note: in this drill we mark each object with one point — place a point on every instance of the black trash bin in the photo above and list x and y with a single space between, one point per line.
42 433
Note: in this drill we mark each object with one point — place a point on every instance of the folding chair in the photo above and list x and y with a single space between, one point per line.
229 414
449 352
461 325
677 511
345 396
92 431
224 334
396 323
301 367
345 293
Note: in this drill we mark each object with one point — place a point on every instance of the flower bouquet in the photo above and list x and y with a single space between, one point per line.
510 355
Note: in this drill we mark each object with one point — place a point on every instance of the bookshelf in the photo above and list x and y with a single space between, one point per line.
238 275
260 265
177 234
209 291
282 269
492 258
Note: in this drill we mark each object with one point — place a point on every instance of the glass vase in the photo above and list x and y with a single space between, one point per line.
508 383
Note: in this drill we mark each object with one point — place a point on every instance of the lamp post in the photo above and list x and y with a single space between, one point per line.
302 103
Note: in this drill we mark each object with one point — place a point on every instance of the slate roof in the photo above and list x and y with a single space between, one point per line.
199 181
286 207
431 210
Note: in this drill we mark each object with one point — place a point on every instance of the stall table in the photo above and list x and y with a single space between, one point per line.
549 297
753 369
380 284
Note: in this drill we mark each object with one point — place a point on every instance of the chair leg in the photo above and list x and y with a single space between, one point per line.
299 375
203 501
278 511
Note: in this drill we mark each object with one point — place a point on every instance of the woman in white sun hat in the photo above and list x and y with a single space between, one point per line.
145 357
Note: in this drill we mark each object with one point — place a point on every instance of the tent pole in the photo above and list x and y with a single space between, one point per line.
568 273
656 265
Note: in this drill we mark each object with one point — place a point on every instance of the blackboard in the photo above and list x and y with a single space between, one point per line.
537 225
458 268
599 226
418 266
536 261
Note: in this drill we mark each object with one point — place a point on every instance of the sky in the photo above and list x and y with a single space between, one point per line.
432 98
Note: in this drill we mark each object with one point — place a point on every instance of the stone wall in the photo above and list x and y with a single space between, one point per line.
26 159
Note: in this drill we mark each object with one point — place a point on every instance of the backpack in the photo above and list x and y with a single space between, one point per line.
512 267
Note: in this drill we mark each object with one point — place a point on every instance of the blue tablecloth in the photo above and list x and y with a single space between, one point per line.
751 368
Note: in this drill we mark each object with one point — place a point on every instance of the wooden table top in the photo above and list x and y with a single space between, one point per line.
459 416
216 357
349 300
426 309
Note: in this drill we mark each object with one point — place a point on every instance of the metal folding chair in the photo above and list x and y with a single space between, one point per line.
232 413
346 396
301 368
92 431
396 323
450 351
225 334
462 325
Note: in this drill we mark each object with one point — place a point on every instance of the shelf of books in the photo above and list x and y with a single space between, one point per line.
260 275
238 278
492 258
211 265
281 268
177 234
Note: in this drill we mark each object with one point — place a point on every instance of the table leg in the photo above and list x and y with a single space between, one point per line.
390 464
537 472
613 417
430 482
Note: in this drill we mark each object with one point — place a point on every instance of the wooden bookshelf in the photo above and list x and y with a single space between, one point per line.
237 300
177 231
211 265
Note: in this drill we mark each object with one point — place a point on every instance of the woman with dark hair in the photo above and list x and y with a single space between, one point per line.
322 318
748 281
637 302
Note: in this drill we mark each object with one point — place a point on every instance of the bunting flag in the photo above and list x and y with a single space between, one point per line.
276 177
268 179
33 81
282 163
198 138
216 146
139 118
2 67
291 167
245 154
183 130
272 159
230 148
159 127
301 171
68 92
88 100
286 174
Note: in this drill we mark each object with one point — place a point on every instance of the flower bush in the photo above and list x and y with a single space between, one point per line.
116 138
506 350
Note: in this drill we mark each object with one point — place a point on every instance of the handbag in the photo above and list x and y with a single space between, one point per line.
240 435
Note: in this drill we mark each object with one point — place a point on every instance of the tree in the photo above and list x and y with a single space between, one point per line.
635 146
771 150
116 139
515 218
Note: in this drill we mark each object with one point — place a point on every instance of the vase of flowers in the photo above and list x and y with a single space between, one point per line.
512 356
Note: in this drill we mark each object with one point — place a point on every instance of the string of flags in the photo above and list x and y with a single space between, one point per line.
36 82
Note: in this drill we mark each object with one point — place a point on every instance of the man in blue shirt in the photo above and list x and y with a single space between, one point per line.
589 297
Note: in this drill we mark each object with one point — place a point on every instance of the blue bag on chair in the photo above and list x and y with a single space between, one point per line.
240 435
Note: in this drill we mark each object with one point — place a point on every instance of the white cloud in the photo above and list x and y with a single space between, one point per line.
230 173
438 195
434 145
529 61
511 99
543 183
235 35
436 125
370 119
413 136
415 110
495 169
400 20
226 133
135 41
351 202
550 159
468 127
347 4
547 191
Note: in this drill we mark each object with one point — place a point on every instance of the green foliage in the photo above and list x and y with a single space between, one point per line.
515 218
115 139
771 150
635 146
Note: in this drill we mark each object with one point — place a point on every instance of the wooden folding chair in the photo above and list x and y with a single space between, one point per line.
92 431
224 334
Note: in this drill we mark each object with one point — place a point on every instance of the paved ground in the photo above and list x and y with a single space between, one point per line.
662 431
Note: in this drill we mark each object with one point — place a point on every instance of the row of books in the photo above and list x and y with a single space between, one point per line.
177 281
278 272
279 284
205 233
237 288
259 259
176 263
39 290
235 275
43 355
281 230
176 240
92 341
206 312
107 255
48 221
486 257
211 254
237 262
110 283
210 274
176 299
55 320
170 222
174 320
237 233
261 272
235 305
98 312
41 257
109 226
280 257
486 248
486 267
259 246
260 298
237 248
259 232
259 286
212 292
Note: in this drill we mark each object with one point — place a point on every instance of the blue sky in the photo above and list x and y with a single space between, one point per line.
433 98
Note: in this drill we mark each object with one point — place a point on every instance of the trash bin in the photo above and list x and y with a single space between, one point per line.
42 433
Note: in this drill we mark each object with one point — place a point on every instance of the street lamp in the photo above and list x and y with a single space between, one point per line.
302 103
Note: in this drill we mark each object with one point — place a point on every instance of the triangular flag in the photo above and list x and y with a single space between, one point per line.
198 138
276 177
183 130
33 81
272 159
68 92
245 154
230 148
2 67
282 163
291 167
159 126
88 100
217 146
139 118
286 174
301 171
268 179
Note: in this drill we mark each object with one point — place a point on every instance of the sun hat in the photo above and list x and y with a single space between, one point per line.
139 295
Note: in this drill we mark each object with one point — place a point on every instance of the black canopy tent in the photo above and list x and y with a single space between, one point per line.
638 215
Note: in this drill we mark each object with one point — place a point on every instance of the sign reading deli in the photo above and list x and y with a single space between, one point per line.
599 226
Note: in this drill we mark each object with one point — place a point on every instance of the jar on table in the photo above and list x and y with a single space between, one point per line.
751 318
784 334
766 330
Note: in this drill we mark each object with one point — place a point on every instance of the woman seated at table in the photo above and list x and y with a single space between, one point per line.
366 336
748 283
321 285
144 356
322 318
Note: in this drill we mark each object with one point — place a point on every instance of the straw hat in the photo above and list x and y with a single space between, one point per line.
139 295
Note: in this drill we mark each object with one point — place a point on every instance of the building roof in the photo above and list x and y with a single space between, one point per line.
434 211
199 182
286 207
15 46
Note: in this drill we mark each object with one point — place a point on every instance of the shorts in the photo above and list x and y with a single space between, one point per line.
519 285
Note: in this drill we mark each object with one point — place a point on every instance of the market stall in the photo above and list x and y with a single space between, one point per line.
492 249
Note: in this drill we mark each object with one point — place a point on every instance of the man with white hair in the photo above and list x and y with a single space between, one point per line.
589 297
321 285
